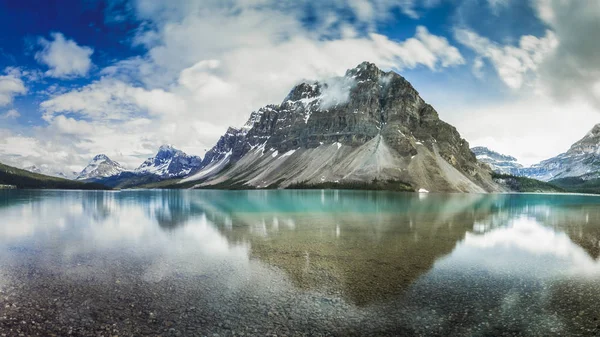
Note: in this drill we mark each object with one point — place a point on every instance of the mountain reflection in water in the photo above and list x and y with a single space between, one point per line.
461 264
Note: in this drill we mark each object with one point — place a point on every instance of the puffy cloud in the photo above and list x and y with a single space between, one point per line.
194 80
64 57
194 109
512 63
11 85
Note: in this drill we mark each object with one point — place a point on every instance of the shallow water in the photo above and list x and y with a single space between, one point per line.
342 263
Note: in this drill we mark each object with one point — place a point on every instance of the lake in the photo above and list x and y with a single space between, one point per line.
342 263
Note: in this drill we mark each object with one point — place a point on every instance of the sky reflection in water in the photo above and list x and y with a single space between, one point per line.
429 264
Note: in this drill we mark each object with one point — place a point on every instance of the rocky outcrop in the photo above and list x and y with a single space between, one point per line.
367 125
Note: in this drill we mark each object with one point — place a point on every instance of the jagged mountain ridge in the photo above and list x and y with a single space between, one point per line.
499 163
382 130
581 160
169 162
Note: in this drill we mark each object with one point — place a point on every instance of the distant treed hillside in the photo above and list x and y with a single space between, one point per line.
24 179
579 185
523 184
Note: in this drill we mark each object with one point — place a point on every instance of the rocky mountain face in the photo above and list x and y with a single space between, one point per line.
581 160
367 125
499 163
100 167
169 162
45 170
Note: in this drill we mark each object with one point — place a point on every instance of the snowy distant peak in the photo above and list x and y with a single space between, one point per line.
482 151
45 170
100 167
500 163
581 160
169 162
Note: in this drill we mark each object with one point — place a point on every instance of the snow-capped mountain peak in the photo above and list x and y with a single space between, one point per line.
100 167
46 170
366 125
581 160
496 161
169 162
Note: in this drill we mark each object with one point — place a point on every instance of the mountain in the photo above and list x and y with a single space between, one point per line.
499 163
581 160
100 167
45 170
367 127
169 162
25 179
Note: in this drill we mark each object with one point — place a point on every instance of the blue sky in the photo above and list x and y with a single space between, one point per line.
122 77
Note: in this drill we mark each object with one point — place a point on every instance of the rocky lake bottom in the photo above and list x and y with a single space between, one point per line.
298 263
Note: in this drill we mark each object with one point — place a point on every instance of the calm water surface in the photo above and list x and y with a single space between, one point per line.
344 263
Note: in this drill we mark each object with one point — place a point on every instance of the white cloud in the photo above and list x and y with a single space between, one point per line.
512 63
64 57
11 114
197 81
11 85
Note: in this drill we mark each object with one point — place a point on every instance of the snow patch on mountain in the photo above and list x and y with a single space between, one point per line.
47 171
170 162
100 167
581 160
499 163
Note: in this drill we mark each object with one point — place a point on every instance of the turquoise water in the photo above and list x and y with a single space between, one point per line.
187 263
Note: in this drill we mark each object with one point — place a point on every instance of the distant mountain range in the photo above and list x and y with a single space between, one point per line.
499 163
45 170
19 178
581 161
168 163
367 129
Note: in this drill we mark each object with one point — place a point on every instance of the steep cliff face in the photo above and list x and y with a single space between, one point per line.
367 125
